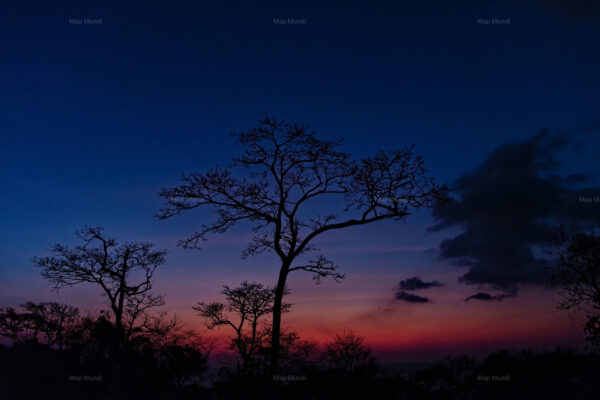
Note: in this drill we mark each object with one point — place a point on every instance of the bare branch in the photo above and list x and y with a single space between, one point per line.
124 272
321 267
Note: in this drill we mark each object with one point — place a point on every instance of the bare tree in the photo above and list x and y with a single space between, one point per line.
123 271
348 352
136 318
250 302
276 184
578 277
161 329
55 320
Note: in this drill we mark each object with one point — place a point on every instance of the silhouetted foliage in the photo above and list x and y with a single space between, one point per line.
49 323
250 303
283 169
163 361
168 361
55 320
18 327
129 344
123 271
578 276
298 356
348 353
181 354
452 377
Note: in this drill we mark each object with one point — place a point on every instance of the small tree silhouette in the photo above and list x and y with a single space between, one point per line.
182 354
250 302
348 353
18 327
578 277
298 355
123 271
274 184
54 320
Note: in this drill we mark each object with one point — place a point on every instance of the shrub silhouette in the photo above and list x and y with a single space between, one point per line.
161 362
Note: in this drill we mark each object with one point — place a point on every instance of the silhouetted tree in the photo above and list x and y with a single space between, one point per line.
285 168
298 355
578 275
18 327
349 353
250 302
123 271
51 322
52 341
181 354
451 377
54 320
161 330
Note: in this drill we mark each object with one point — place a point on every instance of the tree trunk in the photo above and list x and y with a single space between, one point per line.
118 355
120 338
276 329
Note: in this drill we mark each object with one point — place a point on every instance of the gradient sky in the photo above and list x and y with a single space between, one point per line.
95 119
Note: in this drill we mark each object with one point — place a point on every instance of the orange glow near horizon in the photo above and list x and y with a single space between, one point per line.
365 303
417 332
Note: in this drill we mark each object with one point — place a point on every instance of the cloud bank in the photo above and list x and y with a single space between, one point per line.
511 206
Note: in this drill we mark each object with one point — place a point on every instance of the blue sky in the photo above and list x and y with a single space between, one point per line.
95 119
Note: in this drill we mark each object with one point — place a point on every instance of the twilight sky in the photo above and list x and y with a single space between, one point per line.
95 119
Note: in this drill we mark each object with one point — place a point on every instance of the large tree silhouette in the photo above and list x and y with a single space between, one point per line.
275 184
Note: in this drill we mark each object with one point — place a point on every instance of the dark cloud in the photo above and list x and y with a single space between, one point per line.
415 283
511 206
411 298
488 297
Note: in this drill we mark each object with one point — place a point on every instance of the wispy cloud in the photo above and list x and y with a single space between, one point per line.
416 283
411 298
489 297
